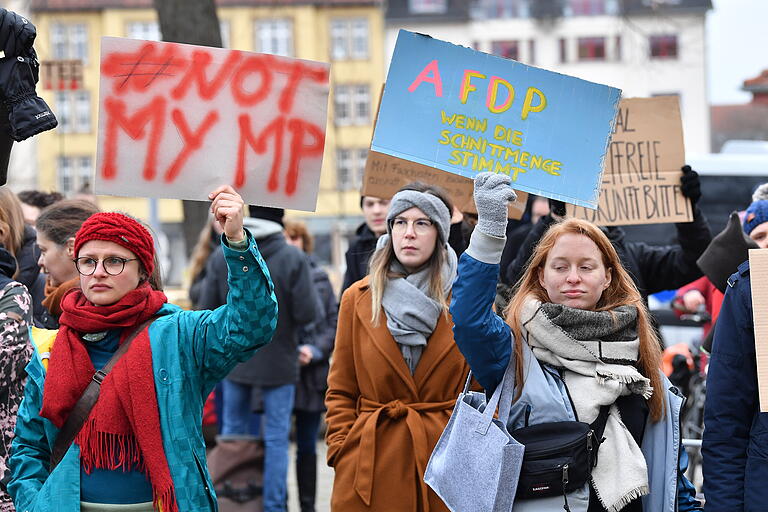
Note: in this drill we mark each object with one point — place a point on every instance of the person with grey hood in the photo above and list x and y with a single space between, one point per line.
273 372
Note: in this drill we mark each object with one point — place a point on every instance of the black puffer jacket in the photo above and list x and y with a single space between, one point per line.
653 268
320 336
30 276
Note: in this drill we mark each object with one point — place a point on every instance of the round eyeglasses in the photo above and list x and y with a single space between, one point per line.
399 225
113 265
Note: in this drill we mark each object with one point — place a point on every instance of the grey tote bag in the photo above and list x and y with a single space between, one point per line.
475 465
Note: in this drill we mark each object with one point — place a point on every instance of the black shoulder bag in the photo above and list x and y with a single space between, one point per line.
559 456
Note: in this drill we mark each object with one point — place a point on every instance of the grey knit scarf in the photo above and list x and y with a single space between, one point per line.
412 314
597 352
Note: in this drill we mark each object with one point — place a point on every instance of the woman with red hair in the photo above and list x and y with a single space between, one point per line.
140 448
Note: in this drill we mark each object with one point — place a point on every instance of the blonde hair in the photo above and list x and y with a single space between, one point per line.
200 252
11 220
620 292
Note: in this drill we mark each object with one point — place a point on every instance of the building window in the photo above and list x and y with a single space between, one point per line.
352 104
505 8
69 41
617 48
427 6
74 174
506 49
591 48
275 37
349 39
563 50
586 7
147 30
350 167
664 47
531 52
73 111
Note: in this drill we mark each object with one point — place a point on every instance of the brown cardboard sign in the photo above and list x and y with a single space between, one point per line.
641 170
758 271
385 175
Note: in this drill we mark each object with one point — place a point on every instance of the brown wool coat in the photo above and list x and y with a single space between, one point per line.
384 422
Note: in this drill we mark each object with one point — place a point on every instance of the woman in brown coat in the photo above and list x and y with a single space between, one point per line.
395 372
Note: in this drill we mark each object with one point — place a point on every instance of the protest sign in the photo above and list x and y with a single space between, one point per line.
758 271
385 175
641 179
465 112
176 120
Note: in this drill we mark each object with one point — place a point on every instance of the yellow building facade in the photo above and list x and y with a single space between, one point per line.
348 35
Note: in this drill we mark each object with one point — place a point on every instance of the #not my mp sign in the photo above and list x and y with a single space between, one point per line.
465 112
177 120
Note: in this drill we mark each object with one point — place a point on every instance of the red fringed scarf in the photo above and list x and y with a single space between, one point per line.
123 429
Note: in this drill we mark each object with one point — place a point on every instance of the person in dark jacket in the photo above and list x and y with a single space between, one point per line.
273 372
316 347
735 438
653 268
367 233
23 246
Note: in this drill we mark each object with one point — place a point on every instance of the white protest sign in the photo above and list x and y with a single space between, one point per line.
176 120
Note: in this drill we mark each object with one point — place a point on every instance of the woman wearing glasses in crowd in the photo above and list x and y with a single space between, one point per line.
395 371
141 447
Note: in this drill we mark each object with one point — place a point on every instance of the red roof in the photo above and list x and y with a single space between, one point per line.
757 84
89 5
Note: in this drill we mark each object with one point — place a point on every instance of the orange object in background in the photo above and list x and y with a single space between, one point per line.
669 355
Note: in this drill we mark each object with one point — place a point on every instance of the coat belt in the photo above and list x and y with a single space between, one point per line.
394 410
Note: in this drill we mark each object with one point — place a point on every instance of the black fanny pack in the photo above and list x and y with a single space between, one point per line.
559 456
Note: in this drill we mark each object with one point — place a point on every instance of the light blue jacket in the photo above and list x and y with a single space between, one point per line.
485 340
191 352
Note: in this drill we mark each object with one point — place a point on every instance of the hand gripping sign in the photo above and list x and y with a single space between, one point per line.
464 111
177 120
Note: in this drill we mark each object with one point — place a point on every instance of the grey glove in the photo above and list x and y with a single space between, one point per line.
492 193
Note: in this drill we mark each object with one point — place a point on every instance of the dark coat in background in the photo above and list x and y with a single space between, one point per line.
276 364
30 276
653 268
358 254
320 335
735 442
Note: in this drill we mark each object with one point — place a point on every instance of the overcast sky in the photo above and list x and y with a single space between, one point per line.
737 45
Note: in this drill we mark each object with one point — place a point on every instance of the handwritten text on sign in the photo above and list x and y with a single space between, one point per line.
465 112
177 120
641 180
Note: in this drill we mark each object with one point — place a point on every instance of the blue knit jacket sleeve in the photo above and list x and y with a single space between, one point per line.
481 335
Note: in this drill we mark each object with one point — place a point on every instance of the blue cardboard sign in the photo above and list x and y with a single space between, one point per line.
465 112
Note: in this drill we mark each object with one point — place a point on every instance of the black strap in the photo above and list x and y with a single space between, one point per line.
598 426
76 419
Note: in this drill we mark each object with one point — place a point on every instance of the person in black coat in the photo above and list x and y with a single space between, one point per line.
366 235
317 341
653 268
272 373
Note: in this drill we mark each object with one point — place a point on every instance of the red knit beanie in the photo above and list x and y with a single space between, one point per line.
122 230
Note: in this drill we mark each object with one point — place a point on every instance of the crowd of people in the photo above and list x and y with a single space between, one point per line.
104 382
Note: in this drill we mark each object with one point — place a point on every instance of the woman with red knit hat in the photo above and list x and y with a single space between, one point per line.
140 446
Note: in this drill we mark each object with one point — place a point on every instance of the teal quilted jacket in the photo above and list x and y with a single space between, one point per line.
191 352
